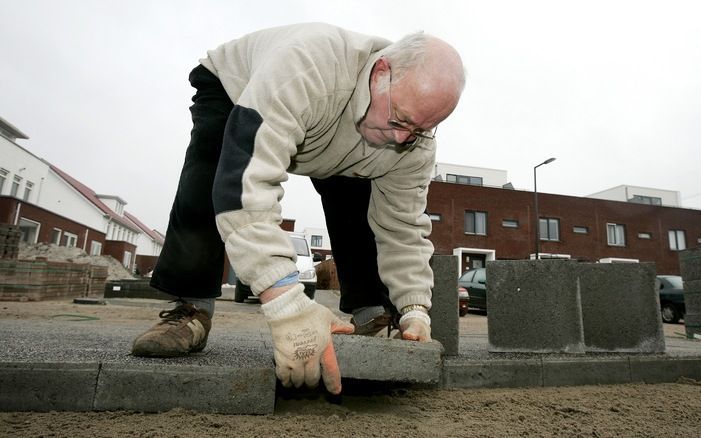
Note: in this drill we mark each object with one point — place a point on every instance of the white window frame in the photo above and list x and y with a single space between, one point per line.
16 182
548 235
615 234
479 227
3 177
95 247
677 240
644 235
71 239
126 259
509 223
28 186
435 217
317 241
579 229
56 242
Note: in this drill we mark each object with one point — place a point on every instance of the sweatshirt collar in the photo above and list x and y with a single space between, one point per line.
360 100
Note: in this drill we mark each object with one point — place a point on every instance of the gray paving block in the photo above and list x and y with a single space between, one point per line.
692 296
382 359
690 264
158 388
584 371
620 307
444 309
47 386
692 323
658 369
459 373
534 306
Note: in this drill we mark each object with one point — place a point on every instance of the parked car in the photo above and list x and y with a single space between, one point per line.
463 301
305 266
671 290
474 282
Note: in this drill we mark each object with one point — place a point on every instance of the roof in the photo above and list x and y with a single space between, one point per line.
153 234
11 129
91 196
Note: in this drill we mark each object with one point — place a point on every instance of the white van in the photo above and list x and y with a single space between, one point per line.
305 266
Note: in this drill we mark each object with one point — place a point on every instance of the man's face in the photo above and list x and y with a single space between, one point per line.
414 106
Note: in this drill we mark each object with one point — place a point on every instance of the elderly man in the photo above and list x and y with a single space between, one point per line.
355 113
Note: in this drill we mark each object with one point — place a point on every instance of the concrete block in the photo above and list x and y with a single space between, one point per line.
690 264
583 371
692 323
158 388
444 309
533 306
47 386
492 374
662 370
692 296
382 359
620 307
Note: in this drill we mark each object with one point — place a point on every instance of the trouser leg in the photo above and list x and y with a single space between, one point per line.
345 202
191 262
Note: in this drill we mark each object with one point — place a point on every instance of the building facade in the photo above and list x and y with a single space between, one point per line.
480 223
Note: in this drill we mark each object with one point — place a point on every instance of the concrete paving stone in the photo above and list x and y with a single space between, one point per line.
692 323
444 304
534 306
620 307
585 371
690 264
369 358
158 388
47 386
460 373
657 369
692 296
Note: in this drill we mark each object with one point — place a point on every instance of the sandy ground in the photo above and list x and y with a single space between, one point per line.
618 410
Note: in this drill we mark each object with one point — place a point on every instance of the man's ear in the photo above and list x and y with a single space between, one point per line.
380 69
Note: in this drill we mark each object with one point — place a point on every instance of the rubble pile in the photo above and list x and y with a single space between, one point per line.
57 253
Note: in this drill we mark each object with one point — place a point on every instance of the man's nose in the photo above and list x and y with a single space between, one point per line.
401 136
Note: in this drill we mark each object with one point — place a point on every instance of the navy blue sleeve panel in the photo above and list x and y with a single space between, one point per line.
237 150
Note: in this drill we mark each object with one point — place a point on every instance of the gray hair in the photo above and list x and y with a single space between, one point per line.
410 53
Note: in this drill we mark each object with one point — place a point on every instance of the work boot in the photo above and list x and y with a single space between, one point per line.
382 326
182 330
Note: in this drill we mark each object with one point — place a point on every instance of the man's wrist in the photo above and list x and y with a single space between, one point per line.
413 307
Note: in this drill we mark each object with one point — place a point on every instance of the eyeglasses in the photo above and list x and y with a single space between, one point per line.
401 126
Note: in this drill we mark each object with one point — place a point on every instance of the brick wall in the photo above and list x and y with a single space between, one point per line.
452 200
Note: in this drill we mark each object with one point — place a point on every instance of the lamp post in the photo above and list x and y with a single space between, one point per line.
535 197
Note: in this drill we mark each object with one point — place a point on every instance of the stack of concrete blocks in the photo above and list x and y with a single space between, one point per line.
35 280
560 306
690 265
9 241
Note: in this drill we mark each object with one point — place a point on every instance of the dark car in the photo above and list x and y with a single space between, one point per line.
474 281
671 290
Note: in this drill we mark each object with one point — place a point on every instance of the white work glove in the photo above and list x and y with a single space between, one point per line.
415 325
301 330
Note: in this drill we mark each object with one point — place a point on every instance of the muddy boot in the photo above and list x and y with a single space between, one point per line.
181 331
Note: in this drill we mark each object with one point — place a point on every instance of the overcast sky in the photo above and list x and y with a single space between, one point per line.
612 89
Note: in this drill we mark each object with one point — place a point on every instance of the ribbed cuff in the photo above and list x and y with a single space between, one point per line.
416 314
289 303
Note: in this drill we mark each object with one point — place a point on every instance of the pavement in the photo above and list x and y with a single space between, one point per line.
79 362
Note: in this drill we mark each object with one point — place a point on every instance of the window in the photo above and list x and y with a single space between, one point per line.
317 241
3 177
549 229
464 179
677 240
56 236
644 235
476 222
126 261
509 223
580 230
16 181
649 200
95 248
70 239
616 234
435 217
28 190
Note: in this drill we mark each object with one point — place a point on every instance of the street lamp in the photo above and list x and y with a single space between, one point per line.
535 197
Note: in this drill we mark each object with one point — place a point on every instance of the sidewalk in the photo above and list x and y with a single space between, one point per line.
76 357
